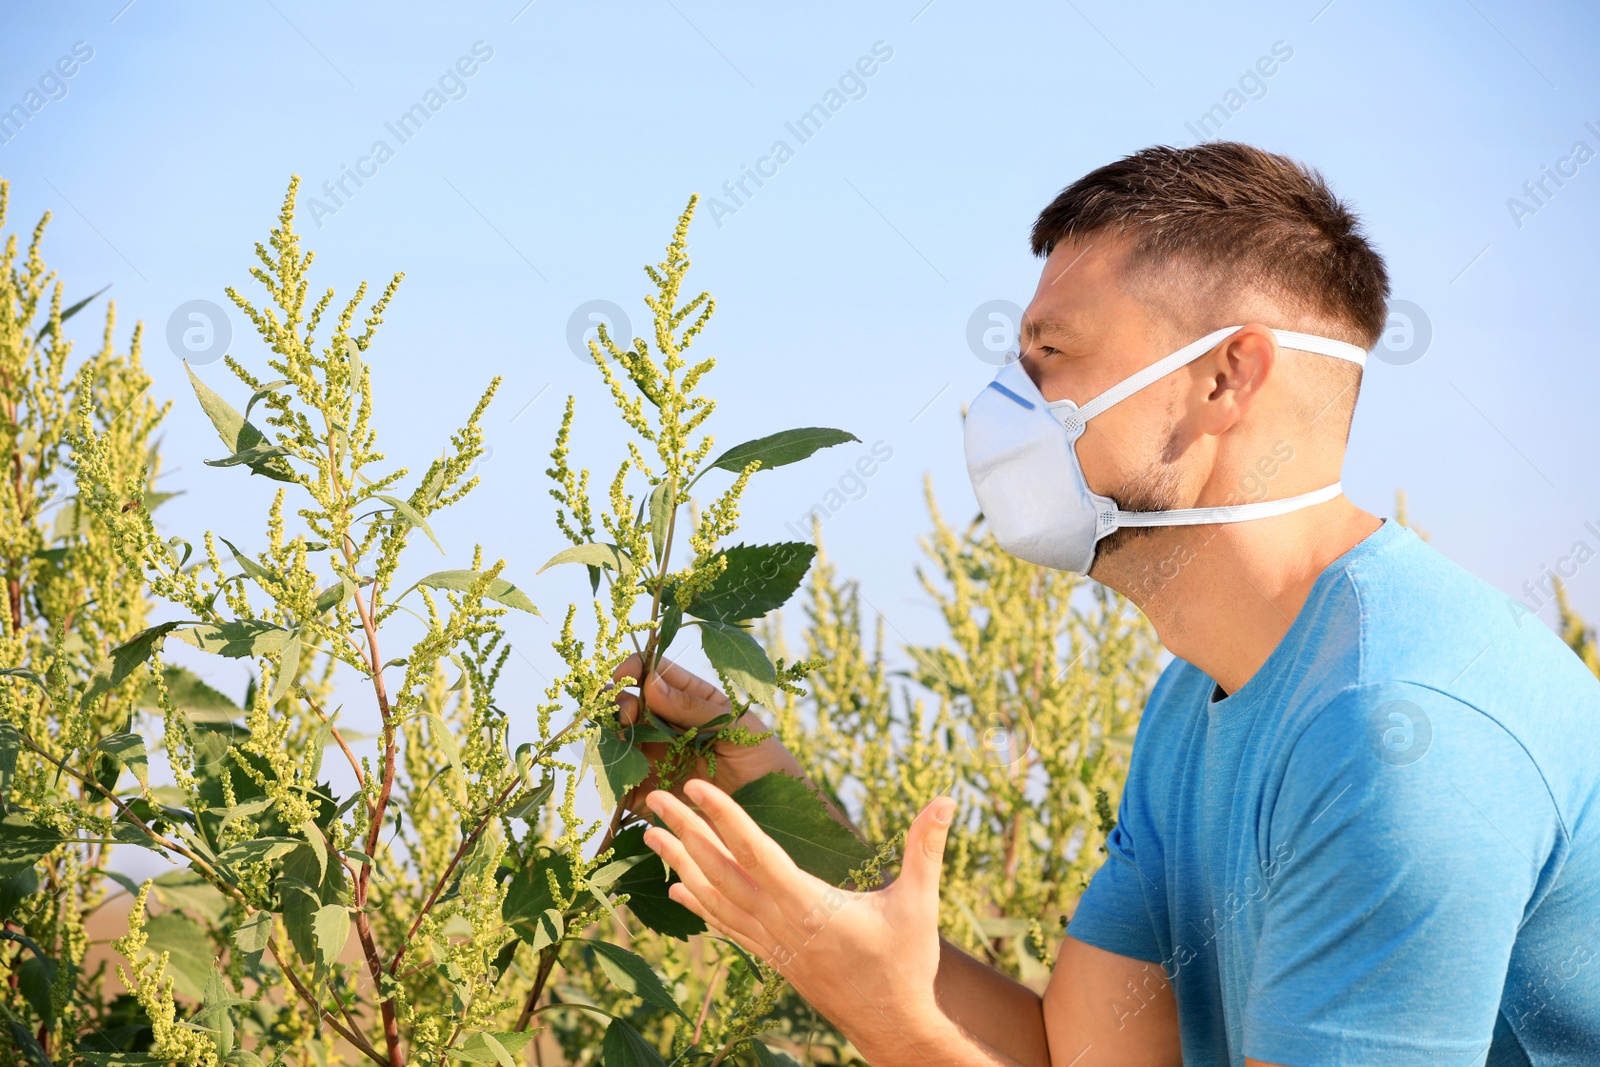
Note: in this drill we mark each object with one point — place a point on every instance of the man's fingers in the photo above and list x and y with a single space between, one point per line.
749 845
628 668
708 901
690 683
925 841
675 694
711 858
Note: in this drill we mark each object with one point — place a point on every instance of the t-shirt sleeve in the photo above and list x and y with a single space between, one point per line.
1409 831
1112 913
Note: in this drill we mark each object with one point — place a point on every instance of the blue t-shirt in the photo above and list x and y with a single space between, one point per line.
1384 848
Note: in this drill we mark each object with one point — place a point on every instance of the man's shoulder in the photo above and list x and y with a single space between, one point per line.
1432 635
1418 616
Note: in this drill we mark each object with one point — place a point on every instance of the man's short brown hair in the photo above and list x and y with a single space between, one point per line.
1226 221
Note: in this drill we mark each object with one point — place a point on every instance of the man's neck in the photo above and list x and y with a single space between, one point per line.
1223 596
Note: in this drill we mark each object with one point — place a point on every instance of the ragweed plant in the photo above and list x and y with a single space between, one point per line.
297 873
657 592
68 600
442 908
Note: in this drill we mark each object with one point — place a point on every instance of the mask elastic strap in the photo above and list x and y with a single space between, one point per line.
1264 509
1303 342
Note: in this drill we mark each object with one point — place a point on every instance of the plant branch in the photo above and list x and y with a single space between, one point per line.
352 1036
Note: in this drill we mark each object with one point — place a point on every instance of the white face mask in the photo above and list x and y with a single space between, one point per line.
1023 461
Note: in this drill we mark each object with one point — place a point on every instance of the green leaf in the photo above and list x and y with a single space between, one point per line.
124 660
31 1047
191 951
34 979
618 765
633 975
189 892
477 1050
23 844
215 1013
153 500
10 744
547 928
332 929
67 522
661 507
782 448
501 1053
442 737
302 896
526 807
128 750
237 639
594 554
246 810
288 667
49 327
740 658
500 590
189 693
623 1047
795 817
26 675
253 934
646 883
261 460
313 835
770 1057
529 900
240 437
16 888
251 567
258 850
671 622
605 876
263 393
334 595
411 515
757 579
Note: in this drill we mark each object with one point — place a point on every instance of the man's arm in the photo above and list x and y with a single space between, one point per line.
976 1011
1102 1009
873 963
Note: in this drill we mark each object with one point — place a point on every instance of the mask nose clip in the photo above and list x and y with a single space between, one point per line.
1066 413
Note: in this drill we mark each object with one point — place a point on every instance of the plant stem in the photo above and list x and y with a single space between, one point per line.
361 778
705 1005
391 1024
547 961
444 876
351 1035
647 658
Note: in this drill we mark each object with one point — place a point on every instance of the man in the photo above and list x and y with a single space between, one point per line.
1361 823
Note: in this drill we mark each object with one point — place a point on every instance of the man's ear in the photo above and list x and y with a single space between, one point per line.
1230 378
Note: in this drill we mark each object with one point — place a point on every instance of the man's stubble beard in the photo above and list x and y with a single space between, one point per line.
1156 488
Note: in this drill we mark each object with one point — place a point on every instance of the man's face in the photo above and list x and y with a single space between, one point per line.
1083 333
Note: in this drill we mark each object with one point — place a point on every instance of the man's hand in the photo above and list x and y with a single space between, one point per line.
684 699
866 961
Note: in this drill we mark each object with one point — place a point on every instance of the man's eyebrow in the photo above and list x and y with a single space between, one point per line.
1035 328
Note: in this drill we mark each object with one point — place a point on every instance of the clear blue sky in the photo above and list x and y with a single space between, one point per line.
846 281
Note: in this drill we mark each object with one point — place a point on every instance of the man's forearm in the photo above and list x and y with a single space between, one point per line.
997 1010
